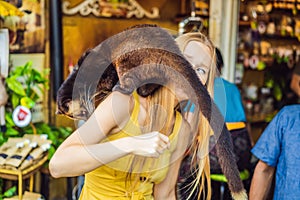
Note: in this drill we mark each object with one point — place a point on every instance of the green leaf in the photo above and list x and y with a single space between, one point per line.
269 83
46 72
65 132
2 140
69 129
15 100
27 102
285 59
43 128
18 71
277 92
27 68
11 132
51 136
9 120
51 151
261 65
10 192
15 86
37 76
28 130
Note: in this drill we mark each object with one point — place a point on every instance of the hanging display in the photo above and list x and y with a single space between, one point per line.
26 26
109 8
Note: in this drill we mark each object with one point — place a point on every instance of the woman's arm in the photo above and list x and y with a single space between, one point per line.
81 152
166 190
261 181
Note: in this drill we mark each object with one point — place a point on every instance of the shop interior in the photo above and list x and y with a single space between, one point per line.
42 40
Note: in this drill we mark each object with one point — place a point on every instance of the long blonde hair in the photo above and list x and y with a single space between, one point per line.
200 143
161 108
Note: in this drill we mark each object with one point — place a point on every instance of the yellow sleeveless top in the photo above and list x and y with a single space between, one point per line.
113 182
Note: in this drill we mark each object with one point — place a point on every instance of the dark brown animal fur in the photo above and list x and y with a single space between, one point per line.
142 58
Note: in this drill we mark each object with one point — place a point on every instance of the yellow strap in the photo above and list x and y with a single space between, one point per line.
136 108
235 125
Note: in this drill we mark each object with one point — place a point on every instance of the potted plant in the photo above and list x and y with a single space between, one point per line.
25 86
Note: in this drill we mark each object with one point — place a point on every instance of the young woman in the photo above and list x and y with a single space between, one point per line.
131 147
107 145
200 52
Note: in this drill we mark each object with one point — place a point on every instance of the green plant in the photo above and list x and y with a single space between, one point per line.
8 193
25 86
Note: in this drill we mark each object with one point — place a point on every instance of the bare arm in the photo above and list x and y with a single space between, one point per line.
295 84
166 190
81 152
261 181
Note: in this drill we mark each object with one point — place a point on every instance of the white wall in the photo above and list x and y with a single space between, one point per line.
223 27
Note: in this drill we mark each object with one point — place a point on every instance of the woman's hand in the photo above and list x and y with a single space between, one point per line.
150 144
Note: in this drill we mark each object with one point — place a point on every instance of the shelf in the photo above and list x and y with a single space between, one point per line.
278 36
276 73
20 175
244 23
260 117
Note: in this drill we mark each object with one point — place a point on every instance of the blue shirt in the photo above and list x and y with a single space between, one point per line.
228 99
279 147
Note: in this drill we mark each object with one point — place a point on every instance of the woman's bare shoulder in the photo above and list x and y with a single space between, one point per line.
115 110
118 100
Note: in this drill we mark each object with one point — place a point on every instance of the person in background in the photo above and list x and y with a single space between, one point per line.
228 99
278 152
295 82
227 95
